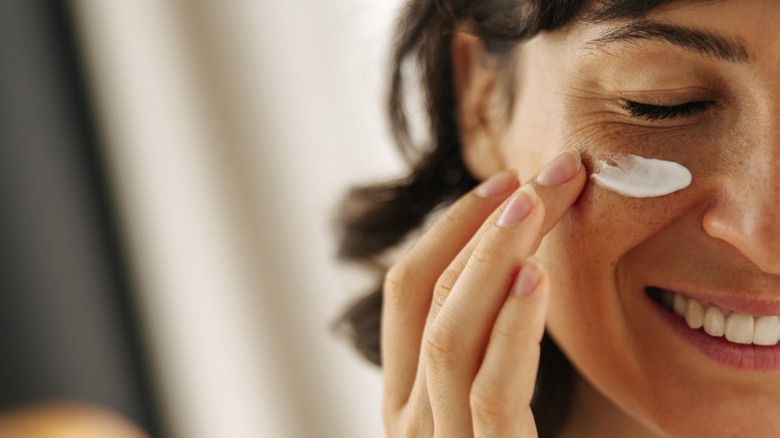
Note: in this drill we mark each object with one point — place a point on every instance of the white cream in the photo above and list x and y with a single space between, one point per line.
639 177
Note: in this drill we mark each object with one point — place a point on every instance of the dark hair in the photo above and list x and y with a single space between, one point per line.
376 218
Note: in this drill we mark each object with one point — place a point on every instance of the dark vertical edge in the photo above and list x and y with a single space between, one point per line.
64 26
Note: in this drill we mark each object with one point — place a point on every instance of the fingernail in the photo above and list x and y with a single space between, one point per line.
528 278
496 185
519 207
561 169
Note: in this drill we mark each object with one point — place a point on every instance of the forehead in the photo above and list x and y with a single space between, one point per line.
730 30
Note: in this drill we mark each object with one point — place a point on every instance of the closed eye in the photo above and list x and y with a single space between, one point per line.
661 112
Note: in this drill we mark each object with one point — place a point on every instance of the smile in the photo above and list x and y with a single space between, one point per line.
718 322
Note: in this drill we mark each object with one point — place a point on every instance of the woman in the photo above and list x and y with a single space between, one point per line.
621 285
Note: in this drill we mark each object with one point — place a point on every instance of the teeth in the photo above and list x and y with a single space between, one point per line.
715 322
739 328
736 327
694 314
680 303
767 330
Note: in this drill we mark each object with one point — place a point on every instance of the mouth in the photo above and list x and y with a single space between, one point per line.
717 322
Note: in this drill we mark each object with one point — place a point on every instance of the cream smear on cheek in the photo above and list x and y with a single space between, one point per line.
639 177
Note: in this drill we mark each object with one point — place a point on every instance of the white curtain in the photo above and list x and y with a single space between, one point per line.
232 128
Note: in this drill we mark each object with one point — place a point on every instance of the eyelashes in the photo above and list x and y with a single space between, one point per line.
661 112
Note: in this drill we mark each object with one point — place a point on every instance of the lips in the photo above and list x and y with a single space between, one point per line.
717 321
740 346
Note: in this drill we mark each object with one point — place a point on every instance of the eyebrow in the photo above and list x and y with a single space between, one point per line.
703 43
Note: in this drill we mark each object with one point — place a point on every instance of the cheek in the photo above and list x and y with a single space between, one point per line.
581 254
586 318
584 249
587 315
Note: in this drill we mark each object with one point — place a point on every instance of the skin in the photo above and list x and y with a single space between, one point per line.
66 420
449 307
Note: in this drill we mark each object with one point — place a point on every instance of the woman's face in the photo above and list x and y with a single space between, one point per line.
716 241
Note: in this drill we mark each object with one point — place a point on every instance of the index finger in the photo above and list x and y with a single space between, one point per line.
557 186
464 311
548 184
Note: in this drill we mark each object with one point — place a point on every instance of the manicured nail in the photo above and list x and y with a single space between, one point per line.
528 278
518 207
496 185
561 169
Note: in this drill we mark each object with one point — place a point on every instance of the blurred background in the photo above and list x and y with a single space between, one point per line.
169 176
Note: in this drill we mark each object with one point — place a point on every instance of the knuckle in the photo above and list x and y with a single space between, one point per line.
398 279
416 425
441 347
491 404
511 332
440 295
518 336
415 420
412 418
444 286
410 429
488 254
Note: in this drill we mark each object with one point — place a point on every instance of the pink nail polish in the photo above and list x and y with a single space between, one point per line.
527 280
519 207
561 169
496 185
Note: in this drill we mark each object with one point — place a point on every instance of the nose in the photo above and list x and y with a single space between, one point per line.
746 213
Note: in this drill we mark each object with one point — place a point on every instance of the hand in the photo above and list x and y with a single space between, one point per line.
464 311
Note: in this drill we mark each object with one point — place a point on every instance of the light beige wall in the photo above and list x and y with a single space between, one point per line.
232 129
